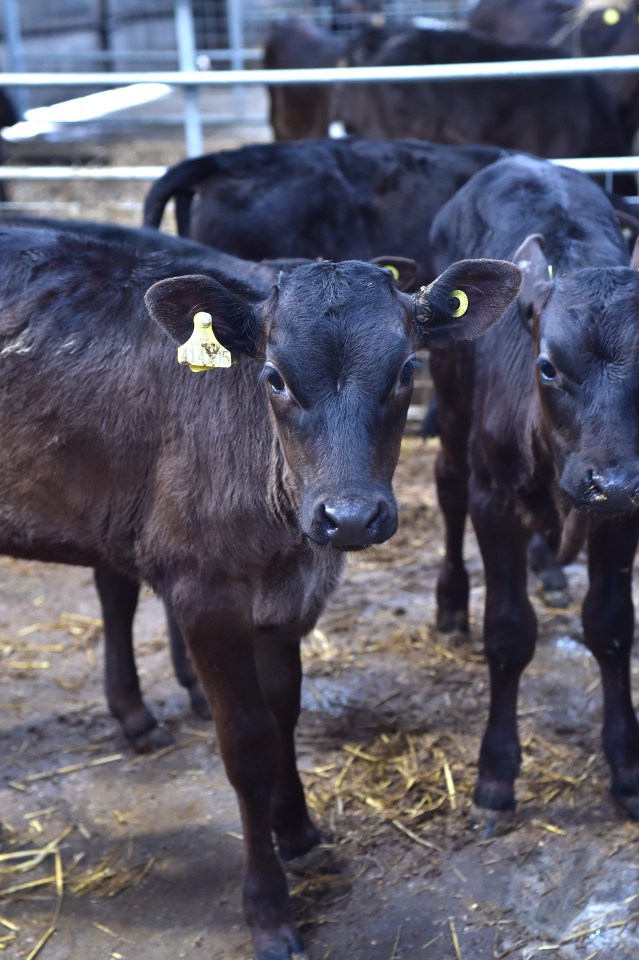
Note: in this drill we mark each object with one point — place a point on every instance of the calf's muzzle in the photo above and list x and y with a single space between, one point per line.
612 491
352 523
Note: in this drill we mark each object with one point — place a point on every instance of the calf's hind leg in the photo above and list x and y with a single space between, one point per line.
119 599
608 621
451 377
452 582
183 668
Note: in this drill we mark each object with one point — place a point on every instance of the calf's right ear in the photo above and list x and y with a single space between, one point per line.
465 301
173 304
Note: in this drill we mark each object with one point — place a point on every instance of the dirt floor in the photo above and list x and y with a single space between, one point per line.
139 858
146 850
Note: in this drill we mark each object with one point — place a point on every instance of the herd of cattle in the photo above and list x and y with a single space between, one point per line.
575 115
311 273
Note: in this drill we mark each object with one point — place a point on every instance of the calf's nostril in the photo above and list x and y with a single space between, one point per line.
593 490
328 518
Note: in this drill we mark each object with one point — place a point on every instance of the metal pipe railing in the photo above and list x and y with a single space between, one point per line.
7 172
398 74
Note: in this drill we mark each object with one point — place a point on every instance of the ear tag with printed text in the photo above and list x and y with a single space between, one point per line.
461 299
203 351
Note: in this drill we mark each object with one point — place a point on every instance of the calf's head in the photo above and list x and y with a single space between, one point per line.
337 343
585 326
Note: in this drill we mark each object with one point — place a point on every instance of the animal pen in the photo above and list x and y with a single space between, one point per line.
193 64
138 858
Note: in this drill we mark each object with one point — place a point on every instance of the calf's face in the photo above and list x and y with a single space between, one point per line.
338 342
586 329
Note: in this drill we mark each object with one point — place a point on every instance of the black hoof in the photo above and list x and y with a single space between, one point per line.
283 944
453 622
296 844
556 598
490 823
199 704
148 741
628 804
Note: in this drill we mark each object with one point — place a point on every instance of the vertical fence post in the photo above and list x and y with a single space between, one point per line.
185 32
234 14
15 54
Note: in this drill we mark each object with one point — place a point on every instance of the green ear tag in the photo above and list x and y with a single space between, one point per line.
611 17
203 351
462 306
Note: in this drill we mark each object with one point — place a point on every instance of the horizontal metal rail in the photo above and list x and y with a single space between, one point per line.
399 74
585 164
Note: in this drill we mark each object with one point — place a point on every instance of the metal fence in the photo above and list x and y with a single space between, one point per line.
50 35
55 50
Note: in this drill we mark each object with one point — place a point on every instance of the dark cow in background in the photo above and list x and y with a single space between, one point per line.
234 493
567 116
540 432
8 117
336 199
581 28
299 112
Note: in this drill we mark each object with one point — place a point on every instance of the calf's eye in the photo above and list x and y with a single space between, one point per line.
406 373
546 370
274 380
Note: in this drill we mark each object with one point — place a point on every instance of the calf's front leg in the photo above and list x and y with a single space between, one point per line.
510 633
119 599
608 621
280 674
221 642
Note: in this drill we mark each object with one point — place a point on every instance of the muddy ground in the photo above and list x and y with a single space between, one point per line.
150 858
140 857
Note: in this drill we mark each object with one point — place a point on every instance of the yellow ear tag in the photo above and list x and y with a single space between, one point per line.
550 271
202 351
394 272
611 17
462 307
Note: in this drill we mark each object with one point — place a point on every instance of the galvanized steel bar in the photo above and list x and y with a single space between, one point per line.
14 47
585 164
236 41
405 74
185 33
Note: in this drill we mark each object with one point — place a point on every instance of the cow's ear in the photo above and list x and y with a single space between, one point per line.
634 260
535 268
403 270
465 301
173 304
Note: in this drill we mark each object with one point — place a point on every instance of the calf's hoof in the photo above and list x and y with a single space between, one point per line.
452 622
490 823
295 843
556 598
280 944
199 703
628 803
154 738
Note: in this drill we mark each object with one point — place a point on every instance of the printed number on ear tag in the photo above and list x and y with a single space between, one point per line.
462 303
203 351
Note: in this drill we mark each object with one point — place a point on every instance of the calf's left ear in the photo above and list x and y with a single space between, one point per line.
173 304
403 270
465 301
